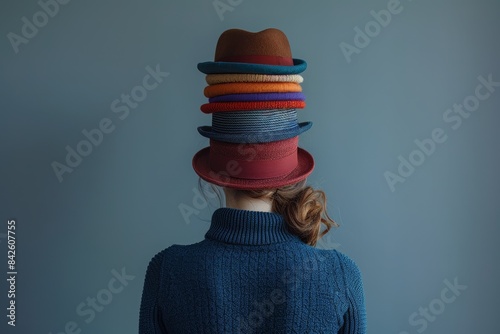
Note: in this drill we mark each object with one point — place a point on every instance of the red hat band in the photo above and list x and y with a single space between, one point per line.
259 59
254 161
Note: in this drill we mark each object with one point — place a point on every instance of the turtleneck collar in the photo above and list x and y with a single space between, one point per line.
244 227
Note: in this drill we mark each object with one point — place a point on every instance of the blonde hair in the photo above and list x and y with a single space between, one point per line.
303 208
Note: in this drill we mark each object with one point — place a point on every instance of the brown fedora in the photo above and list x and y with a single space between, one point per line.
264 52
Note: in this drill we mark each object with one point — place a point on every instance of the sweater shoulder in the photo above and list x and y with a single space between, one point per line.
160 264
166 254
353 279
349 266
345 267
336 258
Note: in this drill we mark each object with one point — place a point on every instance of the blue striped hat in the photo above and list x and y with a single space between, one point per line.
256 126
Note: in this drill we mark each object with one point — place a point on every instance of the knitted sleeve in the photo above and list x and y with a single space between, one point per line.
355 317
150 316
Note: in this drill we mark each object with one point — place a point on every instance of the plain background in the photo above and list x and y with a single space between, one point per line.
121 204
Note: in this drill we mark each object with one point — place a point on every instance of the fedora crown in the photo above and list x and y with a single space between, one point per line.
269 46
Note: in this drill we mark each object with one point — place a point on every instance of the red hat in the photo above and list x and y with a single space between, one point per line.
253 166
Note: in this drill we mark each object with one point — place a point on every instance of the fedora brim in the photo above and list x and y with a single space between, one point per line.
262 137
201 166
211 67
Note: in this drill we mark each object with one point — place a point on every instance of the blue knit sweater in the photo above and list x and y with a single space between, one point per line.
250 275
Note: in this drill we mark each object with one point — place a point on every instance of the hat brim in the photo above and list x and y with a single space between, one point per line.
211 67
262 137
201 166
212 107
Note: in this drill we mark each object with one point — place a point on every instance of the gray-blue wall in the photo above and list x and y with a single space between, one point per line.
413 232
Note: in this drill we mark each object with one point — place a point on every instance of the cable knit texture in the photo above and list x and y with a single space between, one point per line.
251 275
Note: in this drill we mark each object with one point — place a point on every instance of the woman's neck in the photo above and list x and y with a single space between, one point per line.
235 200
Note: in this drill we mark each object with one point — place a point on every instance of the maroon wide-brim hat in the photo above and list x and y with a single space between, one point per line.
253 144
269 165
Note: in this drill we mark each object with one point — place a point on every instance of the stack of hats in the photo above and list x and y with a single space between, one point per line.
254 92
